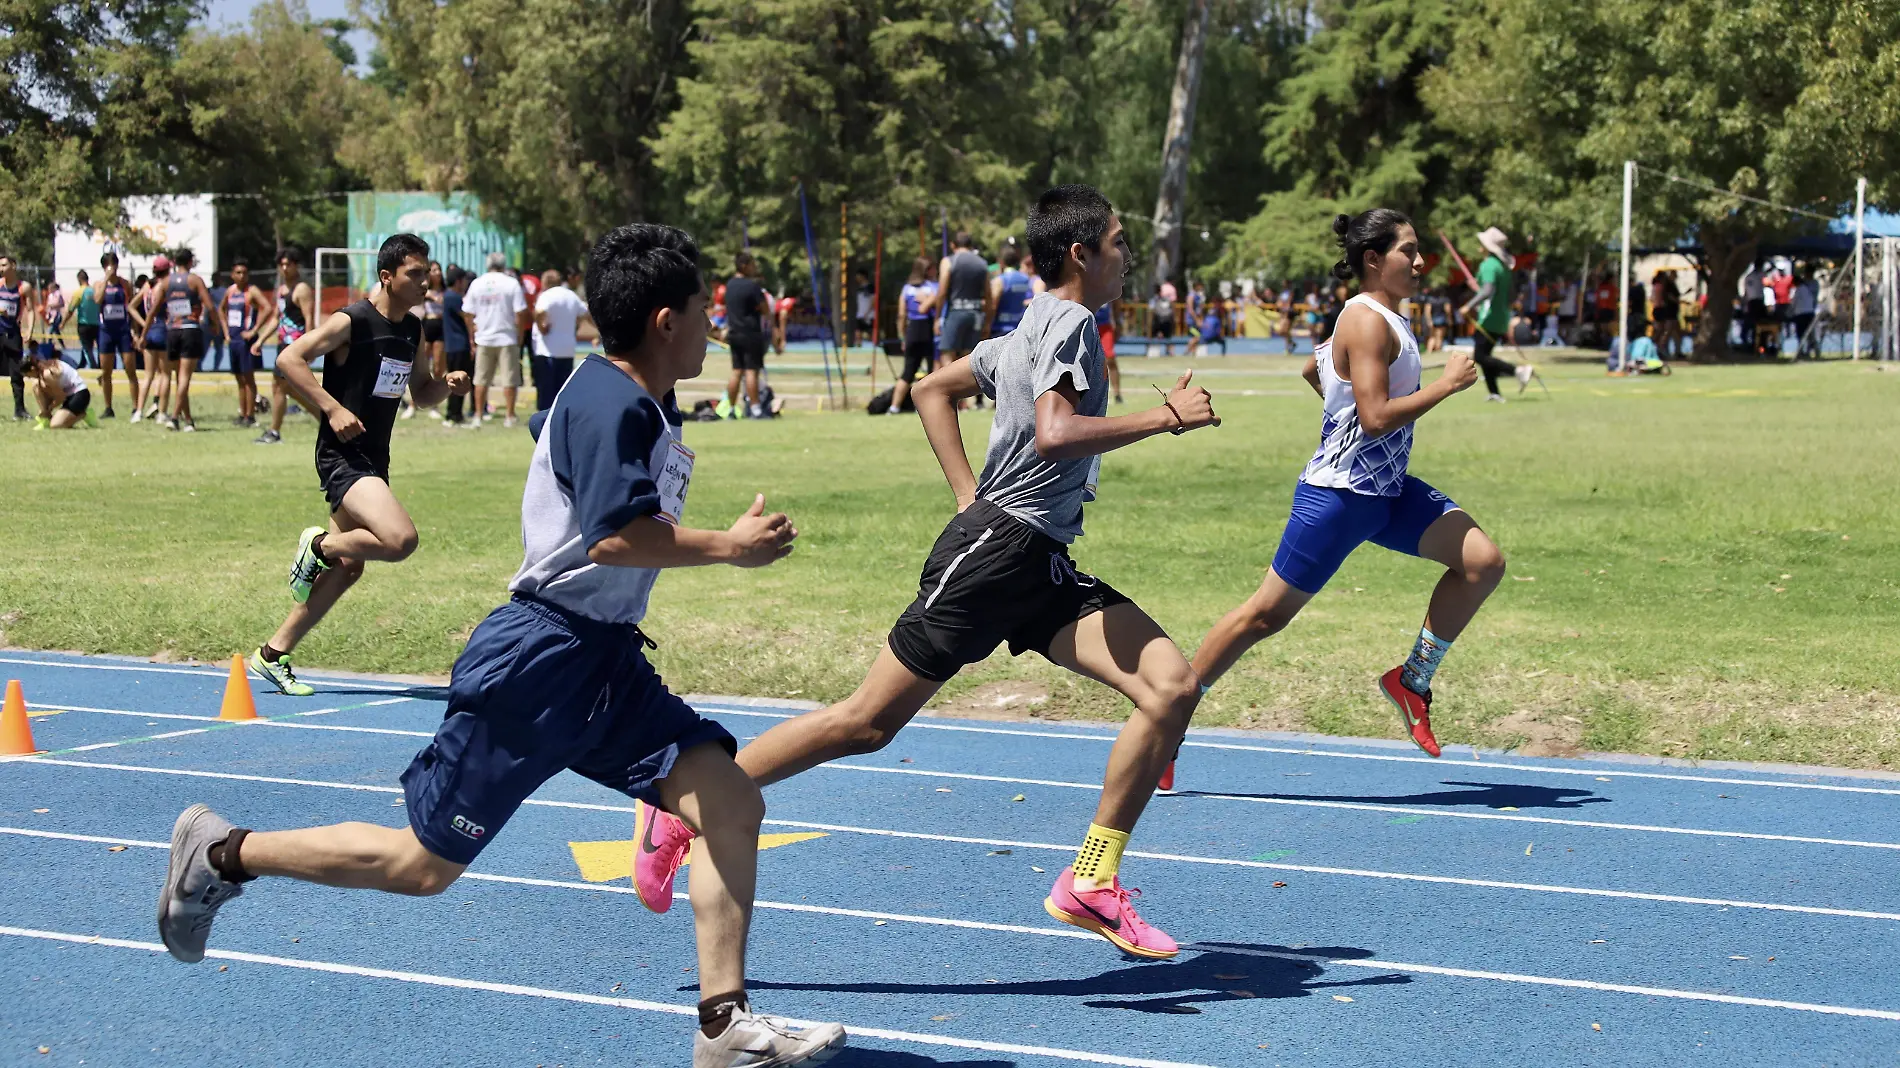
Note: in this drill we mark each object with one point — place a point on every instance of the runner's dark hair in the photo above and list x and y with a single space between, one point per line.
1372 230
396 250
293 253
634 271
1012 257
1065 216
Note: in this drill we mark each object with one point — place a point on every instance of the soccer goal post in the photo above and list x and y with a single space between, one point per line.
343 276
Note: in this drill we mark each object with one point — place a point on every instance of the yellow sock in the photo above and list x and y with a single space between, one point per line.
1101 854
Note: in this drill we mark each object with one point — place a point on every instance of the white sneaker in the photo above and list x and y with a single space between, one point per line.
137 417
759 1041
508 422
409 412
1524 373
1495 398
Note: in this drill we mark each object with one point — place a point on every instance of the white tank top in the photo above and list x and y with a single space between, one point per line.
69 379
1348 458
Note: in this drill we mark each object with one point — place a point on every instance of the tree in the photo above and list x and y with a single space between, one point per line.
1779 101
1177 142
1348 131
69 72
543 108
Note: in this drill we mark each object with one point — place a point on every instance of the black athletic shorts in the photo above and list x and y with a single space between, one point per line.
340 468
992 578
77 402
186 344
748 353
12 354
432 329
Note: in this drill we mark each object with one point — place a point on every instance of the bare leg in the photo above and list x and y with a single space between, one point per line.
1125 649
371 525
863 723
708 791
279 400
1474 567
1259 617
62 419
898 392
1114 379
481 404
247 394
181 403
508 394
732 388
751 389
358 856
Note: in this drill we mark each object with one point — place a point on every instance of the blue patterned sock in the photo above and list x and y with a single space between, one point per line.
1419 668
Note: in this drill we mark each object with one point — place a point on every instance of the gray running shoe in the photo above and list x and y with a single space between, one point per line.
193 891
306 566
278 674
758 1041
268 437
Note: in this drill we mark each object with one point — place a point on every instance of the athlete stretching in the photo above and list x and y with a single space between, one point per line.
557 678
1357 488
1001 570
371 350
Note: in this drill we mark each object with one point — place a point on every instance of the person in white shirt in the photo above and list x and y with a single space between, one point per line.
497 314
558 319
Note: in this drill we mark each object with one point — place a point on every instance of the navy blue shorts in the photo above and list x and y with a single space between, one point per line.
243 360
538 691
115 336
1328 524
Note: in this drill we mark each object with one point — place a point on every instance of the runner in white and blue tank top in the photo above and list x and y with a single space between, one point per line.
1358 487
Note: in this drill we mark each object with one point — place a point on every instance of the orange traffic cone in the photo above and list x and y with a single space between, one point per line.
238 702
16 734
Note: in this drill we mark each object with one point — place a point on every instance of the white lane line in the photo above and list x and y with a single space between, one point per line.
1374 964
1594 771
156 670
1308 869
519 990
1360 806
1355 806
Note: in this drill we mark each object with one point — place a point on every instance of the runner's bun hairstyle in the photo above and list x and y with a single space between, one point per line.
1372 230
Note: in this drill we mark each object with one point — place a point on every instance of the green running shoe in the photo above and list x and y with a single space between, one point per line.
306 567
279 675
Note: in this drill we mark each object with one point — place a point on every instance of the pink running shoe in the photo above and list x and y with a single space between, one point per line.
660 841
1109 913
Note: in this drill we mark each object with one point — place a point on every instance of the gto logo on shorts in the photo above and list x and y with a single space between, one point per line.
469 827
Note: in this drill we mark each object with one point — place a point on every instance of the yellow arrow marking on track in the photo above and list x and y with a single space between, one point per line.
604 862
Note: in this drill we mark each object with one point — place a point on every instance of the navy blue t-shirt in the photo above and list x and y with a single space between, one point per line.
454 329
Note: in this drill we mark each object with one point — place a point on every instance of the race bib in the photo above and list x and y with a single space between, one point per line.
178 307
392 378
112 312
234 318
675 476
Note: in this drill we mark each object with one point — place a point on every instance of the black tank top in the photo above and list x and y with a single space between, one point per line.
370 381
969 281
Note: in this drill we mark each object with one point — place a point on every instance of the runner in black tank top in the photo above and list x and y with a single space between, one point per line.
371 350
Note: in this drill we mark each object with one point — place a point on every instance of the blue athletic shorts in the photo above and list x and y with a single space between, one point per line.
243 360
537 691
115 337
1328 524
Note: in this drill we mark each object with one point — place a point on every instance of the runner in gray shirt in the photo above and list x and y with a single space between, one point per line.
1001 569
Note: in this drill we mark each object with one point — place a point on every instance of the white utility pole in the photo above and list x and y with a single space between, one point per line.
1623 291
1860 237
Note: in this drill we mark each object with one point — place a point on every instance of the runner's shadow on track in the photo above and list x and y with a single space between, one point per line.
1207 972
1480 795
415 693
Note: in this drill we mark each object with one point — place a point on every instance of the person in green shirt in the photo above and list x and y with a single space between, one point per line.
1493 301
88 323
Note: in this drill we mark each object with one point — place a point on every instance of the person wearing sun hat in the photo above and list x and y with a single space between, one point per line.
1493 319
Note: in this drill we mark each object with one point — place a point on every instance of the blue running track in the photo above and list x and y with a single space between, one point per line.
1341 902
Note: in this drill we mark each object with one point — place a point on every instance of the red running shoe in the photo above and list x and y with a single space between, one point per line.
1167 778
660 842
1416 708
1109 913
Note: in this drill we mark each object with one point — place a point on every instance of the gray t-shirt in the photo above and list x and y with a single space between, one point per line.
1056 340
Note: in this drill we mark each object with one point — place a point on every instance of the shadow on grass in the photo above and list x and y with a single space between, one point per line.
1209 972
1480 795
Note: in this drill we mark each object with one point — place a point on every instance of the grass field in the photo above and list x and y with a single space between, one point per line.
1704 565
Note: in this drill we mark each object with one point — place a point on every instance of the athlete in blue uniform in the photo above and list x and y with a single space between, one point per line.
1010 291
1358 486
919 302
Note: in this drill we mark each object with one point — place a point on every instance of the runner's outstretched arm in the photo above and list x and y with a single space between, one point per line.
754 540
936 400
1062 434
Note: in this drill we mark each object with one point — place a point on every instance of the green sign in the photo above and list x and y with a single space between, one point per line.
451 223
